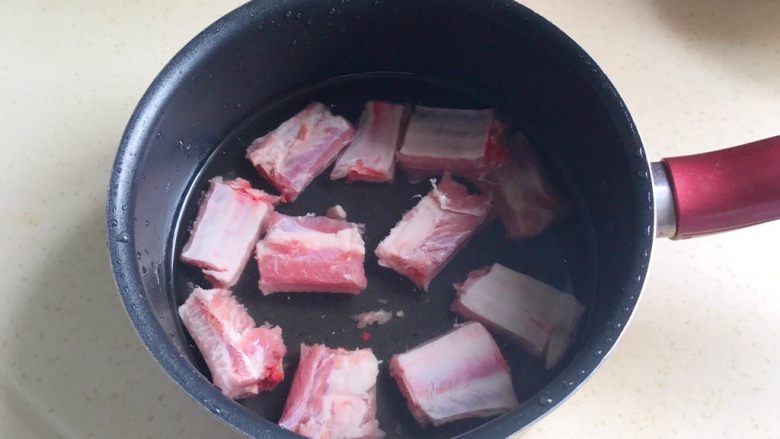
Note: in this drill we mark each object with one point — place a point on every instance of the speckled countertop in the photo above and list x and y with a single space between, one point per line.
700 359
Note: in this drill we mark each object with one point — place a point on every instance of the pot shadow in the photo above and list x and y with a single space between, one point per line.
743 36
76 363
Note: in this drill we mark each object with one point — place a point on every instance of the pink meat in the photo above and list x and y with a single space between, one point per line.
459 375
371 156
333 395
543 319
463 142
243 359
228 225
524 200
311 254
379 317
429 235
296 152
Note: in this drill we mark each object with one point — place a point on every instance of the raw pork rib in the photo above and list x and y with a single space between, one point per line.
229 223
333 395
463 142
293 154
311 254
243 359
430 234
461 374
542 318
526 203
371 156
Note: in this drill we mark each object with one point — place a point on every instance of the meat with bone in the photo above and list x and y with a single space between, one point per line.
296 152
430 234
333 395
228 225
543 319
371 156
243 359
524 200
311 254
459 375
463 142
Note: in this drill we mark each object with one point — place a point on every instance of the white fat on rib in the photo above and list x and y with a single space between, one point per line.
447 133
347 240
415 227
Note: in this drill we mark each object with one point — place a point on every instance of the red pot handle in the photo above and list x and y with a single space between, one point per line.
727 189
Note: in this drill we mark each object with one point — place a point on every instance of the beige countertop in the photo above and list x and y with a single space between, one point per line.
700 359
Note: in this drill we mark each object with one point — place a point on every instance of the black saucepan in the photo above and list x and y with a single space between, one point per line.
264 61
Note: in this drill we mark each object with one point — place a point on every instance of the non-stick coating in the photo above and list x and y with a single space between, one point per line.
558 257
252 62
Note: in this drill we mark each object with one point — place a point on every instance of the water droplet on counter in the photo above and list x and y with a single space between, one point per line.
598 352
124 207
143 269
638 278
123 237
114 223
159 134
181 144
643 175
146 223
546 401
288 14
187 147
332 11
639 152
583 372
608 340
618 326
567 384
645 254
138 255
649 230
